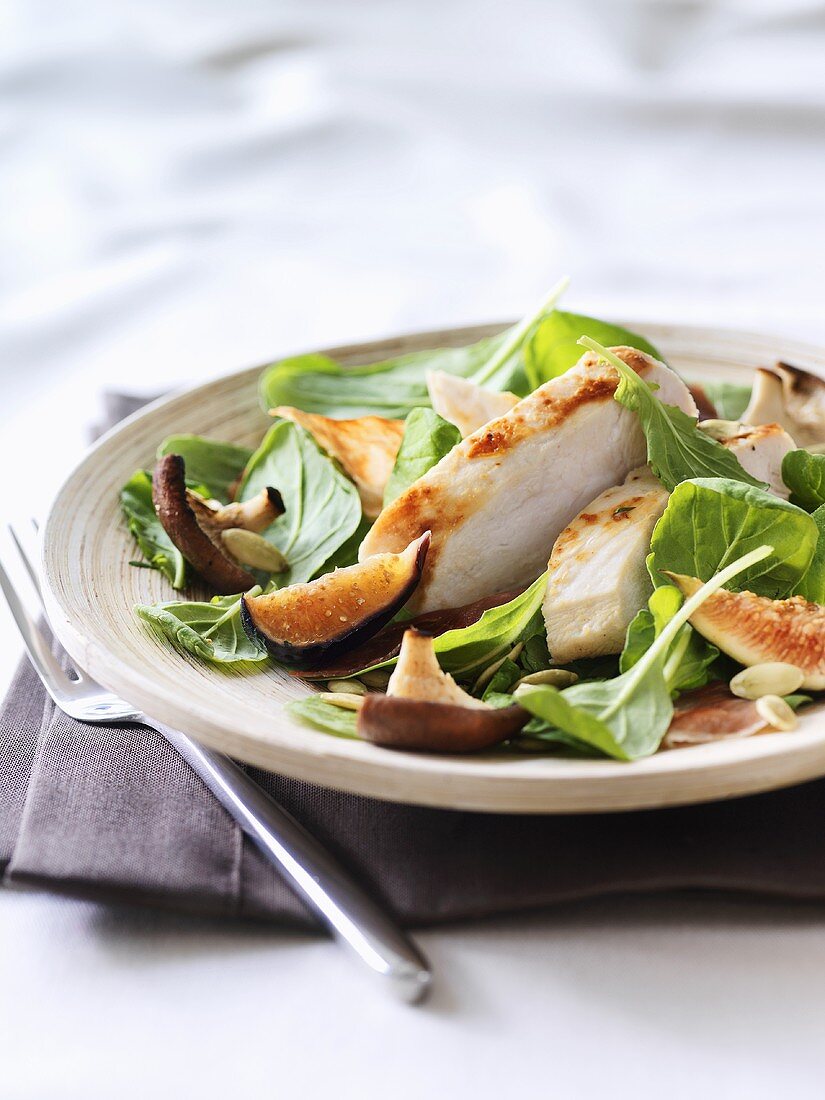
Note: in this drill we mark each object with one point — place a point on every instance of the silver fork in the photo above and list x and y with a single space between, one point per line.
353 918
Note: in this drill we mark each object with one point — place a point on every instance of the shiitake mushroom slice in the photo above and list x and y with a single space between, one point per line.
425 710
419 726
305 623
195 525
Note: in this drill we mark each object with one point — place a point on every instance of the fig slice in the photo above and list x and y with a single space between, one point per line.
386 644
305 623
365 446
425 710
754 629
201 548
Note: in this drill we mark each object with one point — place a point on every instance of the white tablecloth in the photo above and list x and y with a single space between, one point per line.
192 187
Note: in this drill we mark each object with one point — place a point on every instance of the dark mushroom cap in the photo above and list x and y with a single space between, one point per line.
415 724
178 519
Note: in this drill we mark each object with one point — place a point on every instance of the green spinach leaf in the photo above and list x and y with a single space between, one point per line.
325 716
316 383
465 651
323 509
554 346
393 388
694 654
812 585
804 475
709 522
155 545
676 448
729 398
209 462
427 439
210 631
627 718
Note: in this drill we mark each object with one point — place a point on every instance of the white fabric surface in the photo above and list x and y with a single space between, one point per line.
186 188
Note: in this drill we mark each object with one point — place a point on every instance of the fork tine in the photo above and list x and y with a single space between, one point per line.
28 561
54 679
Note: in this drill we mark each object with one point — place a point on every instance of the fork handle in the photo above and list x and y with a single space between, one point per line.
352 917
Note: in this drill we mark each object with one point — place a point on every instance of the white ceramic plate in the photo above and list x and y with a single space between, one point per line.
91 589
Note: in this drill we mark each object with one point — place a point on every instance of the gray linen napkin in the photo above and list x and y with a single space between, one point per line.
115 814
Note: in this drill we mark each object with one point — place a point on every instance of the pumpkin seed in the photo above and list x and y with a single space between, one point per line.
347 687
378 678
770 678
555 677
776 712
720 429
344 700
253 550
489 672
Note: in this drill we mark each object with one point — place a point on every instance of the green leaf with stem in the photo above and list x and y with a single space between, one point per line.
626 718
519 334
676 448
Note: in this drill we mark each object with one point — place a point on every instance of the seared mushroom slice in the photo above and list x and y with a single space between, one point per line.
425 710
304 623
254 515
195 525
754 629
792 397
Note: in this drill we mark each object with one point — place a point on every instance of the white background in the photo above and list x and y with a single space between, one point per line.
187 188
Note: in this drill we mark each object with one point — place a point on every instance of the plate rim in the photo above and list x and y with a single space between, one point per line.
670 778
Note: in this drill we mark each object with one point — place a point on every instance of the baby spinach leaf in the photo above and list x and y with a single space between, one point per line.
812 585
729 398
553 348
804 474
209 462
465 651
393 388
676 448
210 631
323 509
155 545
316 383
325 716
708 522
695 654
627 717
427 438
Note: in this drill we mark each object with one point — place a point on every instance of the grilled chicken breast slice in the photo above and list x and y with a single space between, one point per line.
597 577
497 502
760 451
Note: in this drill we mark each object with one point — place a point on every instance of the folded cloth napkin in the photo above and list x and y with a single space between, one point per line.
115 814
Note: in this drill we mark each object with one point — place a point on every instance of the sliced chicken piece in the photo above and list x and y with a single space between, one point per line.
366 448
465 404
497 502
597 577
792 397
760 450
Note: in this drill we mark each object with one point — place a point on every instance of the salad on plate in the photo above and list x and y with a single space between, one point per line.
547 541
